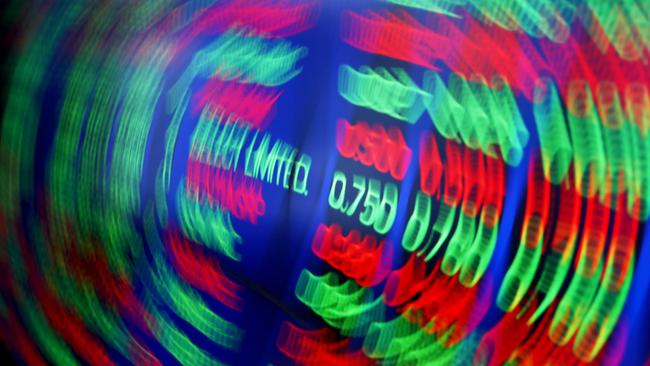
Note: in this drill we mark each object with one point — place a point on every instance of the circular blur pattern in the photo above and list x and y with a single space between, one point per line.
316 182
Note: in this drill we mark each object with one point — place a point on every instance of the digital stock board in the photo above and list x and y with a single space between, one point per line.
325 182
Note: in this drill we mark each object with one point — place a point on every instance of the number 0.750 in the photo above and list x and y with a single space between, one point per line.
380 207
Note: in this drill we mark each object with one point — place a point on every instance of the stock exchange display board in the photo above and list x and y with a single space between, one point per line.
326 182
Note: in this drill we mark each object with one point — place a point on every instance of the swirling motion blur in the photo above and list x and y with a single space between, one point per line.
453 182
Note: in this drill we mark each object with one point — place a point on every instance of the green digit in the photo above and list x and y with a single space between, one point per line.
585 127
519 276
459 244
441 228
371 204
418 223
552 130
386 215
359 183
334 201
